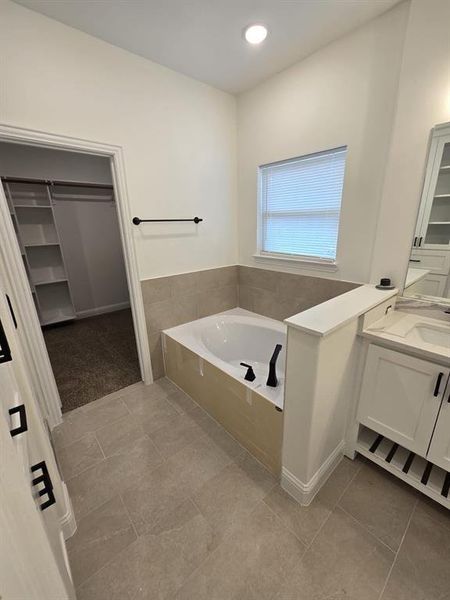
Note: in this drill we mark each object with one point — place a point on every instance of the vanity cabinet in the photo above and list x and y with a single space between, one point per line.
402 398
439 452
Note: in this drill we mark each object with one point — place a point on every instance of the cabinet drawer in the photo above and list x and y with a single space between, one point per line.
437 261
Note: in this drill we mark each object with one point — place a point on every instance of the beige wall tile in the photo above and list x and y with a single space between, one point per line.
217 300
156 355
156 290
177 299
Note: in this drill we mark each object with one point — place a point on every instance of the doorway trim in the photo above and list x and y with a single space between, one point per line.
35 352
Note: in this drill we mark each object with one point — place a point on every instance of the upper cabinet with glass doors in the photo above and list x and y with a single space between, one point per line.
433 223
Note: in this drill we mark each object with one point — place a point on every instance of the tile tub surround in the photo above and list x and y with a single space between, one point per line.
178 299
280 295
208 522
246 415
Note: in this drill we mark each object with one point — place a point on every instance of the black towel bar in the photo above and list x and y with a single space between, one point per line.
138 221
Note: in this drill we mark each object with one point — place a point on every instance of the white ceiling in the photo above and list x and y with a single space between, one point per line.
203 38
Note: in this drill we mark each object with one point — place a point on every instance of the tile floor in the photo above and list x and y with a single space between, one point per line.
169 506
93 357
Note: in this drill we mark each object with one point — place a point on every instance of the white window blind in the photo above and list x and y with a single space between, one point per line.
300 205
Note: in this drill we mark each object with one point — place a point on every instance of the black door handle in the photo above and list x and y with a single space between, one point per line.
13 316
420 240
44 478
5 352
438 384
415 241
23 420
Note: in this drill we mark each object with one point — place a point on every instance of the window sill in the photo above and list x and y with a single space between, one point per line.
306 263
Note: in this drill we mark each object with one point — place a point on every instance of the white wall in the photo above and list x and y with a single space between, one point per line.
341 95
423 101
178 135
17 160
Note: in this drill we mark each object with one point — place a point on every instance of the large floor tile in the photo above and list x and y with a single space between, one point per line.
345 561
100 536
381 502
250 563
80 455
179 431
88 418
181 401
157 493
151 408
157 564
117 436
422 568
227 500
100 483
216 433
305 521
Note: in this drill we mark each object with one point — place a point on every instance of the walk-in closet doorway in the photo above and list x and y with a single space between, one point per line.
69 228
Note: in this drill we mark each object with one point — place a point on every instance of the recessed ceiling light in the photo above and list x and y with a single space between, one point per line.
255 34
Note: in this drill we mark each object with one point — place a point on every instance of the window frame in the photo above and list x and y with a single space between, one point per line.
312 261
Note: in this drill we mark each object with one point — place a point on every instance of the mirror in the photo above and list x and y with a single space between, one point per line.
428 275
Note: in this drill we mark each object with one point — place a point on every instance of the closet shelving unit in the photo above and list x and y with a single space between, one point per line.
31 207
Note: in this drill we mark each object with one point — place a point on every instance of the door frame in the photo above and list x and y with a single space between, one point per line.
35 350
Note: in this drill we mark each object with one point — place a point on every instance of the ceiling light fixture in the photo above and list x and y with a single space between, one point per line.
255 34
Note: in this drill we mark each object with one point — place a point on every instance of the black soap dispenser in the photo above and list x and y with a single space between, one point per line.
385 284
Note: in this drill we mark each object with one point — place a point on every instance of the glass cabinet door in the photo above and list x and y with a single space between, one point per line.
437 231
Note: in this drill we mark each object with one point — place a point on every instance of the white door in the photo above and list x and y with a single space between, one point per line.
33 562
401 397
439 452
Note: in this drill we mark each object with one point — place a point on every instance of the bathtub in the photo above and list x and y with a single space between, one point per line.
202 357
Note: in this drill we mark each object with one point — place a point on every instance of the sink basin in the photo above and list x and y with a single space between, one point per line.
431 334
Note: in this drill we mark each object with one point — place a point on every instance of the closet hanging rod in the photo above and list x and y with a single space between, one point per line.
104 186
138 221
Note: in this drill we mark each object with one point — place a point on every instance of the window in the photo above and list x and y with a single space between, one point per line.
300 203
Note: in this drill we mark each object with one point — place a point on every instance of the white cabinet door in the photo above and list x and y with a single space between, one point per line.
401 396
439 452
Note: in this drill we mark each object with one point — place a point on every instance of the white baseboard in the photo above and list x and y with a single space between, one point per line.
305 492
100 310
67 521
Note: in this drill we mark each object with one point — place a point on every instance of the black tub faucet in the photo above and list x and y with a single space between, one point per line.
250 375
272 380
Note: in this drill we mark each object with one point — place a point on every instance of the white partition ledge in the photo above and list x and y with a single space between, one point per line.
325 318
321 385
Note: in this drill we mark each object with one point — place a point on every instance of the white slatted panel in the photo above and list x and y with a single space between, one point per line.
301 202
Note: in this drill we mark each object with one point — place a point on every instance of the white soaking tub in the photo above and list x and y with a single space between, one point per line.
234 336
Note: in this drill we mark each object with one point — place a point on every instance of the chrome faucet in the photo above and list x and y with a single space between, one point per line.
272 380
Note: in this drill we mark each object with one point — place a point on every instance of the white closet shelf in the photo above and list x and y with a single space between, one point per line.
438 222
33 206
442 196
49 317
51 281
40 244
